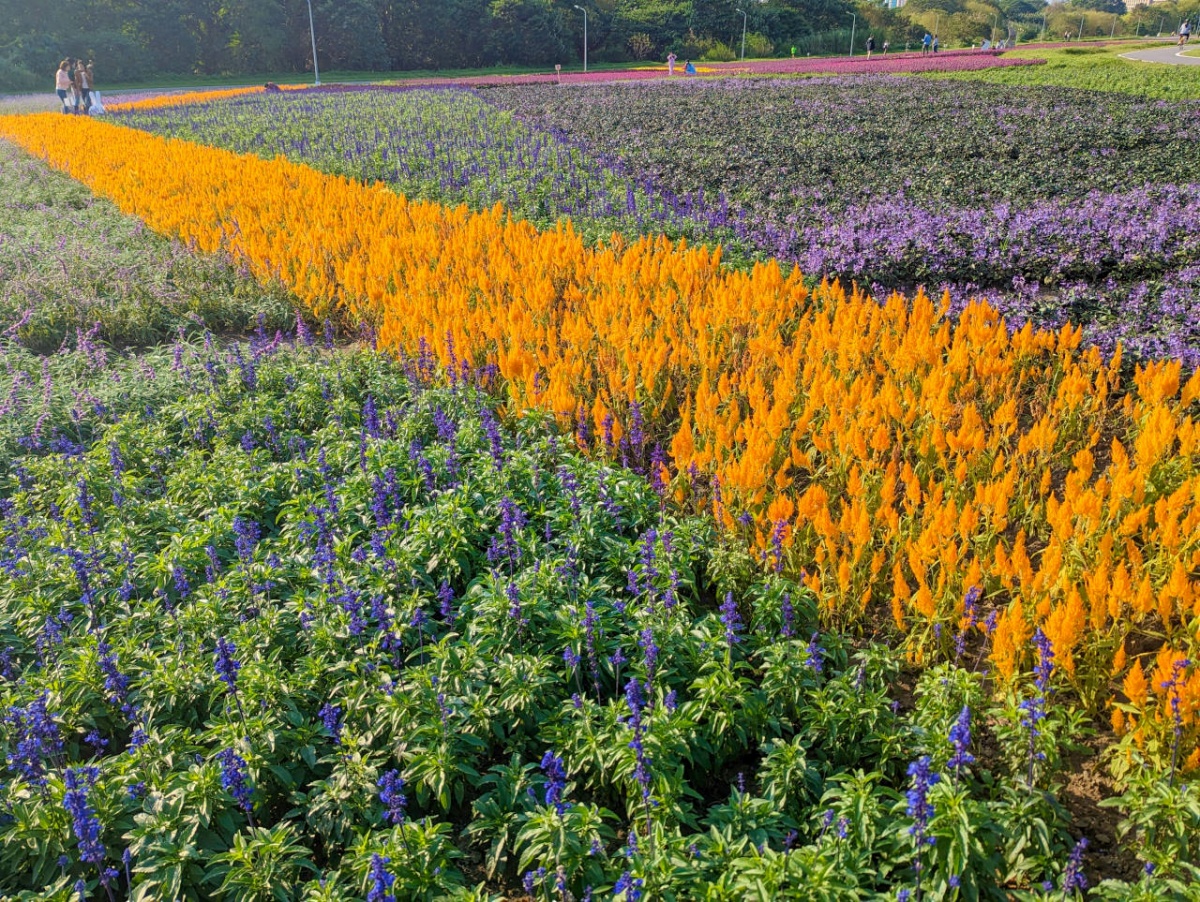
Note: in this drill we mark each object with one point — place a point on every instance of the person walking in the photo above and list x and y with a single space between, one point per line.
62 84
935 44
886 47
870 45
671 57
926 42
83 84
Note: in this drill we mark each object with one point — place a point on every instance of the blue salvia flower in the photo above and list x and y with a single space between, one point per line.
787 616
85 823
391 786
226 665
1034 709
920 809
245 537
446 601
514 603
556 781
491 427
591 623
777 533
649 652
331 719
512 519
183 588
1172 686
370 418
641 771
116 684
731 620
36 738
235 779
814 655
1073 879
960 738
630 886
380 880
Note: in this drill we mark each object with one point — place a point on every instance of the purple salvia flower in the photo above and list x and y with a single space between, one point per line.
391 794
235 778
960 738
84 822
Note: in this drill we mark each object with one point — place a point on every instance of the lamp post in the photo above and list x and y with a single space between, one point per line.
312 33
743 12
1080 36
1114 28
995 23
853 23
936 19
1042 34
584 11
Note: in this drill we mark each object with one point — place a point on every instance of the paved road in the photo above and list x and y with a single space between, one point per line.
1165 55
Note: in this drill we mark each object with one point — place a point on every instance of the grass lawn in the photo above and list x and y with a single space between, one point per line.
1094 69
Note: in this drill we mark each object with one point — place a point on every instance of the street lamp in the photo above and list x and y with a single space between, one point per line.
584 11
853 23
1080 36
312 32
743 33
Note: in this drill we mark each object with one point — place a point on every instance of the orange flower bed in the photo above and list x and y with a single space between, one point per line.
903 457
169 100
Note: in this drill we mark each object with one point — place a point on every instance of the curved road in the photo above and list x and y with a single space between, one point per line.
1165 55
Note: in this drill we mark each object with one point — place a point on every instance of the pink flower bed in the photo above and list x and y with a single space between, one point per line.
892 64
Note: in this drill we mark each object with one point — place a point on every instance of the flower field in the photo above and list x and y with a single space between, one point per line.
1045 232
595 583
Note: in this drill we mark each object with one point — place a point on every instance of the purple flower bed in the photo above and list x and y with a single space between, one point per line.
1025 197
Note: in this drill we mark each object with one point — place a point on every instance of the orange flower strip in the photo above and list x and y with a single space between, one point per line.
167 100
903 456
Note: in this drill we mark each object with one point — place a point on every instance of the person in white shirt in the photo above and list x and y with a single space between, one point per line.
62 84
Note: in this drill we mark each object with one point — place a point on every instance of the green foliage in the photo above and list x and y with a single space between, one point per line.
72 264
1094 71
775 763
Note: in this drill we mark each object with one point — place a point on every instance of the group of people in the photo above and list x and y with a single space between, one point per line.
75 84
871 46
929 43
688 68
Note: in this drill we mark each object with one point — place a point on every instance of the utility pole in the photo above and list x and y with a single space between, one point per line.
853 23
584 11
312 32
743 12
1081 18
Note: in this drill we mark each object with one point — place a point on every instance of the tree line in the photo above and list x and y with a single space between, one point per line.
133 40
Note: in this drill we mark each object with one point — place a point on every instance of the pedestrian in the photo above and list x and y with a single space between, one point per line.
870 45
671 57
926 42
935 44
62 84
688 68
886 47
1185 32
83 83
793 51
